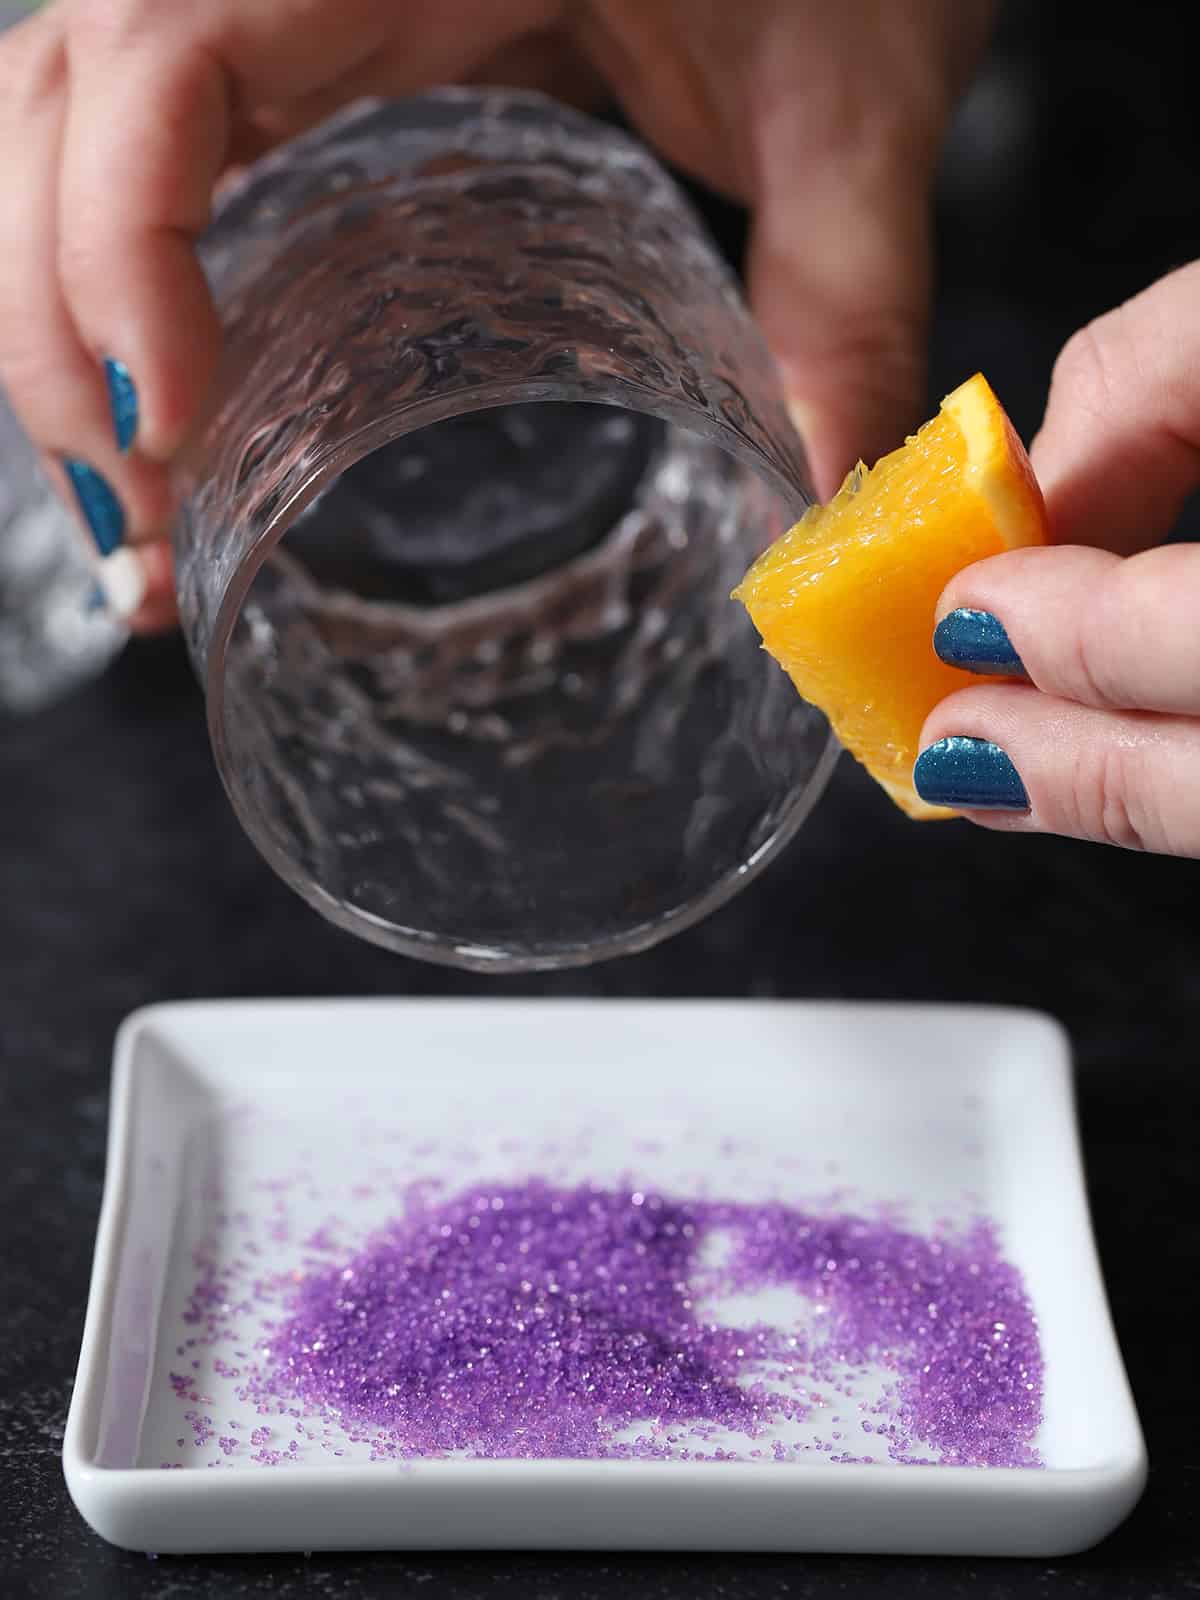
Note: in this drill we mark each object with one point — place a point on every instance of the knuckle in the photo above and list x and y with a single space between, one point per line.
1088 371
877 357
1108 799
1092 667
1131 641
882 350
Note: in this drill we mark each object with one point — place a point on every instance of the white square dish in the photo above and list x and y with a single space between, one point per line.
280 1114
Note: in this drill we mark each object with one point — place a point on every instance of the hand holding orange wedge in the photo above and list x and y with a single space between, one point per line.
845 600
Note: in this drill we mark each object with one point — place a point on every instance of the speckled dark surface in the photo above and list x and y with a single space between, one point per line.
124 879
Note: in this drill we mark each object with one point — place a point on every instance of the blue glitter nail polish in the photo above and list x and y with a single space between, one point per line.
977 642
100 506
969 774
122 402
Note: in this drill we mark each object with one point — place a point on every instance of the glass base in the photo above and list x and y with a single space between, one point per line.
476 504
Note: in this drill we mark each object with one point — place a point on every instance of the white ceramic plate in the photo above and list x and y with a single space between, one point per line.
281 1114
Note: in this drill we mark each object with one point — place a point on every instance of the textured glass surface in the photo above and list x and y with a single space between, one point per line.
488 701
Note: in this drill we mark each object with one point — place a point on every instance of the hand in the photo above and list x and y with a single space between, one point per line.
826 119
1103 742
118 119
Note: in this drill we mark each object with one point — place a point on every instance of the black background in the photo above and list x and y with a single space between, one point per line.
1070 183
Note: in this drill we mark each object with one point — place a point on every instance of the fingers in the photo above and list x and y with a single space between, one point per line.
1103 743
778 105
1083 624
107 337
1109 749
839 280
135 190
839 265
115 122
1016 759
56 386
1119 449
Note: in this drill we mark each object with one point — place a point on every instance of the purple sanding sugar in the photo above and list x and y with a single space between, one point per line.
951 1318
529 1320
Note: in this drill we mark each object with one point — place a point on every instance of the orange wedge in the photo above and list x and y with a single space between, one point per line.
845 601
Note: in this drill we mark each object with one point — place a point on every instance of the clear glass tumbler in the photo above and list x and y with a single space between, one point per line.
493 439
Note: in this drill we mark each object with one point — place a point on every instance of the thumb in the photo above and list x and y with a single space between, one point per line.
839 280
1119 450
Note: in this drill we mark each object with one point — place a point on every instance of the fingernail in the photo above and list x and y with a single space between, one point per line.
970 774
122 402
800 414
100 506
977 642
123 579
120 586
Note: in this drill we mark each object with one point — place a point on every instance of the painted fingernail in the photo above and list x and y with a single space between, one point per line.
120 586
100 506
977 642
970 774
123 579
122 402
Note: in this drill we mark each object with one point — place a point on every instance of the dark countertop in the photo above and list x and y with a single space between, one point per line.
124 880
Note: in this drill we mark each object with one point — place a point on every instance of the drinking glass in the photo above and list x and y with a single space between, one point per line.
492 440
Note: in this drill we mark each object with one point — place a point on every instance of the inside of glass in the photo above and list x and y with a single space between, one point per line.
489 699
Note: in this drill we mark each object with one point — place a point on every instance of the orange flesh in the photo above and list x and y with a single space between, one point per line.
845 601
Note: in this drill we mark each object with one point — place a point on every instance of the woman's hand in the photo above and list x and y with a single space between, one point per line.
119 117
1103 741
